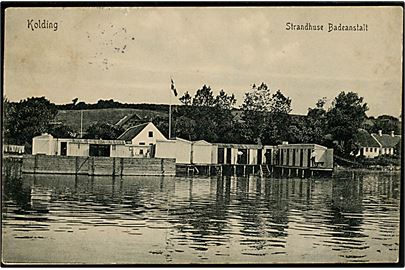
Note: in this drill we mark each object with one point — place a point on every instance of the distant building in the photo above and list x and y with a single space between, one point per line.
377 144
11 149
129 120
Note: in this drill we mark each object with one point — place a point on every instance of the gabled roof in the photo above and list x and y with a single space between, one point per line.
386 140
126 118
132 132
365 139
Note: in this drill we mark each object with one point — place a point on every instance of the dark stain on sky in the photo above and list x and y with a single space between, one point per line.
108 41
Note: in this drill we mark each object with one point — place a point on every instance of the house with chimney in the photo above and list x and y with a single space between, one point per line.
377 144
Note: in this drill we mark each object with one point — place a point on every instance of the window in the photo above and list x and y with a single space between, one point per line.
141 143
366 149
141 151
150 134
78 146
114 147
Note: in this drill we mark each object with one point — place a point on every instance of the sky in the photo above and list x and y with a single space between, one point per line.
130 54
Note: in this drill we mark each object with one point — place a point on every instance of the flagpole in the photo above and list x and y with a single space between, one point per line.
170 117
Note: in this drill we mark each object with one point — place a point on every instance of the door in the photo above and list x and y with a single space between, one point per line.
267 156
308 158
242 156
221 153
63 148
301 157
293 157
97 150
259 156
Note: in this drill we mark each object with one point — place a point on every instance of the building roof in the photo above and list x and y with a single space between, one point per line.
132 132
238 145
301 145
386 140
365 139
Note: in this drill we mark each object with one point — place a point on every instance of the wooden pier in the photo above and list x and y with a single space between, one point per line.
263 170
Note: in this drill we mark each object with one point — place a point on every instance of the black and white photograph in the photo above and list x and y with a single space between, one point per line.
202 134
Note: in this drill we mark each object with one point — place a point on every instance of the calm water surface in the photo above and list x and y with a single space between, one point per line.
352 217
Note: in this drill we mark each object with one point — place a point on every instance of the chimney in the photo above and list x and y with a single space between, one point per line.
392 133
380 132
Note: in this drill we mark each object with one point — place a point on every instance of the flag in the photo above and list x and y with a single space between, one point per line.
173 88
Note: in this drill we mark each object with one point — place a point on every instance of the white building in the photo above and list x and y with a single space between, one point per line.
376 144
138 141
187 152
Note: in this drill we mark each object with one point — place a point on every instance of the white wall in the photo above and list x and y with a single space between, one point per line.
78 149
370 152
202 154
43 145
178 149
252 156
143 136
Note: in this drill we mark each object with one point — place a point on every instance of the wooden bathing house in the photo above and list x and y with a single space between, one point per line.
191 156
303 159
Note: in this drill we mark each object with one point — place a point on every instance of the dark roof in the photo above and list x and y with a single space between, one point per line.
126 118
365 139
387 140
131 132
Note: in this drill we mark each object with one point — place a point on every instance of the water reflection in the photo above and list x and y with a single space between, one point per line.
352 217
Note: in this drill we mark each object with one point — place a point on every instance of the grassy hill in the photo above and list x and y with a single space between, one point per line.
112 116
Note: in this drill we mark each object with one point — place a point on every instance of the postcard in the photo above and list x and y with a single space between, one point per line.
214 134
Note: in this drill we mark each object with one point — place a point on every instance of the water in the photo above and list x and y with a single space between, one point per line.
350 218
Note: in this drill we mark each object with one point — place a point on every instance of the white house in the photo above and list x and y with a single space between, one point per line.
376 144
143 135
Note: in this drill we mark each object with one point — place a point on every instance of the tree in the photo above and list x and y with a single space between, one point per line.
205 116
316 122
344 119
265 115
27 119
186 99
61 131
204 97
105 131
386 123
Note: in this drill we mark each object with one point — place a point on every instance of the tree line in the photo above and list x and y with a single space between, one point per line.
263 118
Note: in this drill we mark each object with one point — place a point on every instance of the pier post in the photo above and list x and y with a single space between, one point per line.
113 167
302 173
282 171
234 170
92 166
35 163
289 172
76 165
253 172
122 167
244 170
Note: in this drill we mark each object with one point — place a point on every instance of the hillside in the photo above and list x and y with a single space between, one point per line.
112 116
